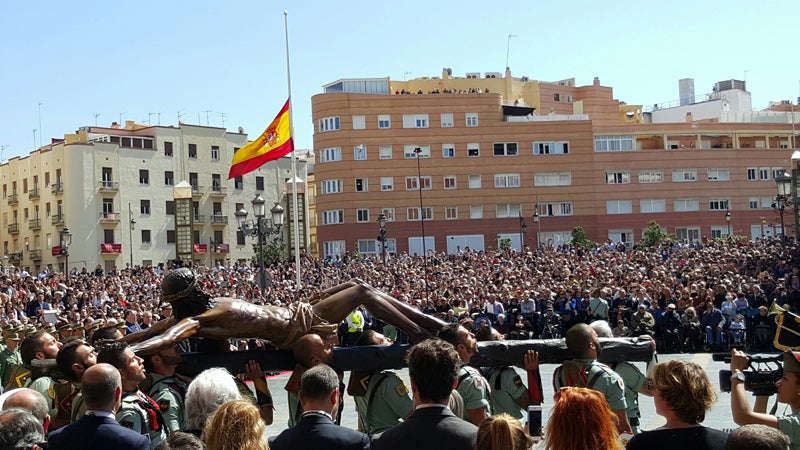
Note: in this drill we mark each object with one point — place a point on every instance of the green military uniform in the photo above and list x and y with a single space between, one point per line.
633 379
507 386
385 403
594 375
169 393
139 413
78 406
474 390
8 360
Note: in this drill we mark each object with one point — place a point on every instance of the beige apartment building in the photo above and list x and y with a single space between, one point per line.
112 188
455 162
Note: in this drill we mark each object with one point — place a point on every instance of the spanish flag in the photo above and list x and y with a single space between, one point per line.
274 142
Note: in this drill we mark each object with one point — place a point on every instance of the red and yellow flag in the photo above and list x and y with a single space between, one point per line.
274 142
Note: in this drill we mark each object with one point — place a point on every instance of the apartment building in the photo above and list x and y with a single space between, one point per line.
113 189
455 162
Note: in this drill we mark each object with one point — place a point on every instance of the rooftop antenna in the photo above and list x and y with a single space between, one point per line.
96 115
222 116
34 138
508 47
120 119
40 124
2 149
406 74
150 115
208 112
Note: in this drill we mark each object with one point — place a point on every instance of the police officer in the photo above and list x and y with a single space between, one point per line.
382 398
166 389
137 411
585 371
474 389
355 326
9 356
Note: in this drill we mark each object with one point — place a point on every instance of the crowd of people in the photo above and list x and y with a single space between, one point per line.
709 295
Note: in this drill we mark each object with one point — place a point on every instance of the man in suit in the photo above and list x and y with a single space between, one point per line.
97 429
319 396
432 366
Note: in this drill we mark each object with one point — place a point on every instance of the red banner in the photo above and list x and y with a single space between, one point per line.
56 251
110 248
200 248
223 248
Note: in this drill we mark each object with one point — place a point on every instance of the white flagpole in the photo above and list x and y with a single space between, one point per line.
295 214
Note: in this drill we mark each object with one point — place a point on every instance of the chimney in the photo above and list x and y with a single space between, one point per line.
689 118
115 125
596 81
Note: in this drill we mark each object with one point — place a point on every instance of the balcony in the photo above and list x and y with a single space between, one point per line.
111 248
57 188
36 255
57 219
201 248
221 248
13 228
109 217
197 191
199 219
13 199
108 186
15 258
35 224
218 219
218 191
33 194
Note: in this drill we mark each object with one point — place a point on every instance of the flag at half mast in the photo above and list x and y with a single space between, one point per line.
274 142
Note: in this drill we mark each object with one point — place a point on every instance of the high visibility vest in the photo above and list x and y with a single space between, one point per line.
355 322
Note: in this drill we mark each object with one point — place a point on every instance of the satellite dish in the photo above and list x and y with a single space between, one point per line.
241 130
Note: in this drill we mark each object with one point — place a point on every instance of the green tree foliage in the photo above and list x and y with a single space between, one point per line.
579 238
654 235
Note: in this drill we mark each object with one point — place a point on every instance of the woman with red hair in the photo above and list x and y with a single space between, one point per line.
581 420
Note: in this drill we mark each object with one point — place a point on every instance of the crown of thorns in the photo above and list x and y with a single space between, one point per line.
180 294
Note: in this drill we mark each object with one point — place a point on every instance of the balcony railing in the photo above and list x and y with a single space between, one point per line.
221 248
217 219
36 255
218 191
197 191
57 219
33 194
35 224
15 257
13 199
199 219
109 217
109 186
57 188
110 248
13 228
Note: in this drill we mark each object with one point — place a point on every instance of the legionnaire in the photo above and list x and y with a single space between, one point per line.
309 351
38 352
382 398
474 389
137 411
585 371
9 357
73 359
166 389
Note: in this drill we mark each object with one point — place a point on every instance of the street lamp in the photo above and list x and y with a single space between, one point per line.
5 264
260 228
784 184
132 222
66 240
728 220
539 225
382 235
523 228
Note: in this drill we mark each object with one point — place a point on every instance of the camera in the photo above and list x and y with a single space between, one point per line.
760 374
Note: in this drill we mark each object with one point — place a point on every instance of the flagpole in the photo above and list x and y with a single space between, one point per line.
295 215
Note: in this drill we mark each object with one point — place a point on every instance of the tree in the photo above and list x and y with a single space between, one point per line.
504 244
579 238
655 235
273 249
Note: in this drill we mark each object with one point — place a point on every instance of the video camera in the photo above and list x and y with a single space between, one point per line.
760 374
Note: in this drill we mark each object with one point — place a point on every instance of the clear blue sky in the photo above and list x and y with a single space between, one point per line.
83 58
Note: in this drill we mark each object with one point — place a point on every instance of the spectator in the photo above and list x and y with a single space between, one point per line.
32 401
236 425
757 437
179 440
207 392
19 430
502 432
581 420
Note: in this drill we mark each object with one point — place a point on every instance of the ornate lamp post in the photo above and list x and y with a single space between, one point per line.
382 236
523 228
728 220
784 184
539 225
66 240
260 228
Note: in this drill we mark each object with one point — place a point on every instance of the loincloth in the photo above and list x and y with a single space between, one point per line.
305 321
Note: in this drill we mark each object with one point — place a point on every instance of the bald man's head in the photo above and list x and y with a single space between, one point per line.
32 401
102 387
311 350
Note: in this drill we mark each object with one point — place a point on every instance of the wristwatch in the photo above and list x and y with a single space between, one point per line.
737 375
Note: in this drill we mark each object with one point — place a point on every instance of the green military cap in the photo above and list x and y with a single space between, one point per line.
791 362
30 328
77 326
65 326
6 327
96 325
50 328
121 325
14 336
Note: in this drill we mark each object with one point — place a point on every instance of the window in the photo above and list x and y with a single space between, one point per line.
144 177
362 215
542 179
760 202
415 121
451 212
752 173
192 151
448 151
331 154
169 207
384 121
619 206
238 183
472 119
718 204
260 184
505 149
613 143
719 175
555 209
687 234
215 152
450 182
686 204
387 184
360 153
145 237
651 176
763 173
169 178
684 175
506 210
556 97
385 152
329 124
333 217
359 122
412 183
168 149
476 211
618 177
473 150
652 205
506 180
412 214
331 186
447 120
368 246
362 185
475 181
551 148
334 248
776 172
170 236
389 213
144 207
410 151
